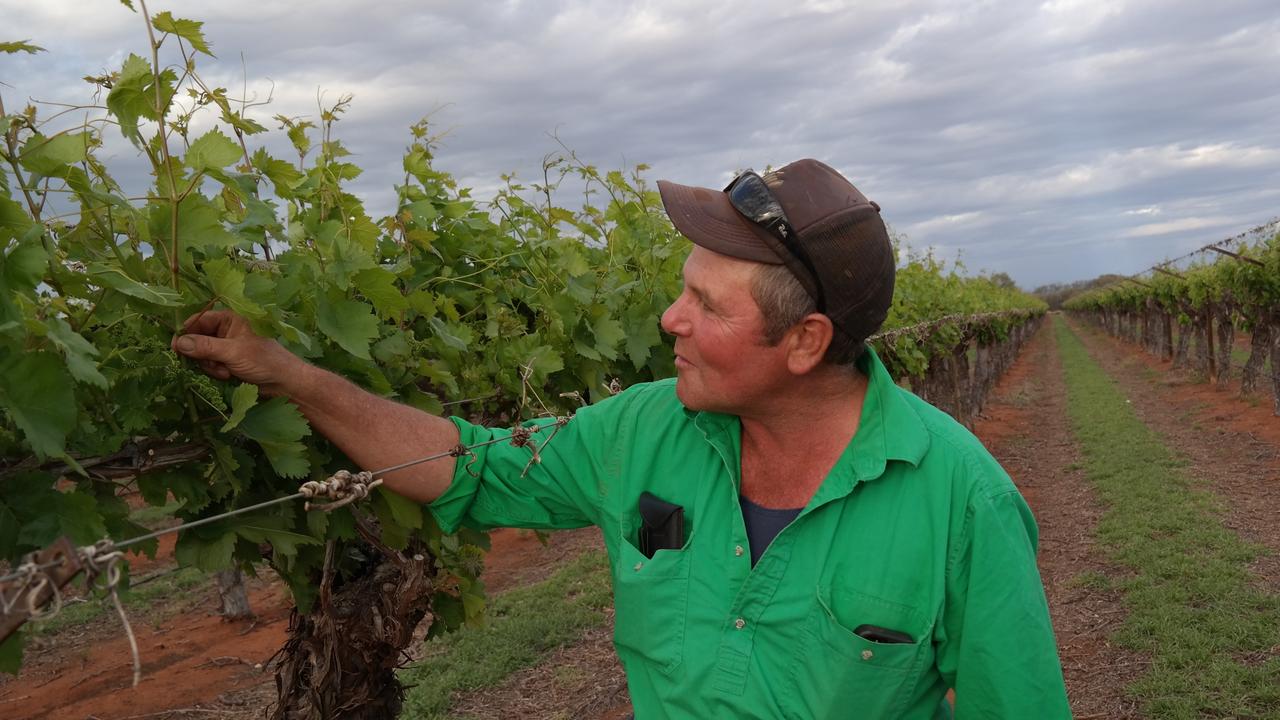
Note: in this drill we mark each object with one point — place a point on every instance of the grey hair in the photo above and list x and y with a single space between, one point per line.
784 302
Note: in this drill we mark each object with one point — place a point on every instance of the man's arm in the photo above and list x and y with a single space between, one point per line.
999 652
373 431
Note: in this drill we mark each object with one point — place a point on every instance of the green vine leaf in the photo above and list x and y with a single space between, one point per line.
188 30
608 333
213 150
228 284
79 353
11 653
349 323
199 225
395 535
21 270
133 96
35 389
243 397
284 176
455 337
46 156
643 335
193 550
278 427
379 287
14 220
111 277
53 514
403 511
18 46
8 532
284 542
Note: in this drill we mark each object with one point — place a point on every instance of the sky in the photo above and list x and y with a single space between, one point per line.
1051 141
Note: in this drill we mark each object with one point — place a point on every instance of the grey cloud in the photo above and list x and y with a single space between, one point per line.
935 109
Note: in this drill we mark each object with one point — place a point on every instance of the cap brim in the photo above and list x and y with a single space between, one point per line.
707 218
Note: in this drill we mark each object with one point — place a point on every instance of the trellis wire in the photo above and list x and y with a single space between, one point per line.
1162 266
458 451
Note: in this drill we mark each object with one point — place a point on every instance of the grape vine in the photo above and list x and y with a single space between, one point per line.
449 304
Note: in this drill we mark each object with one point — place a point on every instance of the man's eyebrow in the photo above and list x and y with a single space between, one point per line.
699 293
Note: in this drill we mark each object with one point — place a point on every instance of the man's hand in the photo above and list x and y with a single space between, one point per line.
373 431
224 346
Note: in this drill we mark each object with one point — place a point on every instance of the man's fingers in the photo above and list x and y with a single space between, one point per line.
202 347
225 347
211 322
217 370
208 352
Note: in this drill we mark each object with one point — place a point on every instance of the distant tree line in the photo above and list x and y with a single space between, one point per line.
1055 294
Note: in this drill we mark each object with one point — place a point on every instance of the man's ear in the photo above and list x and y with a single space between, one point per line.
807 343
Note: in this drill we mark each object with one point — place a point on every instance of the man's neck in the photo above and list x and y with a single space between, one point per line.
791 445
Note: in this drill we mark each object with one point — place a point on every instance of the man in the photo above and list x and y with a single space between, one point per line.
790 533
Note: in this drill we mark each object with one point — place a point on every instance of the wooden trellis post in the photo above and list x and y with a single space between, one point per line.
59 564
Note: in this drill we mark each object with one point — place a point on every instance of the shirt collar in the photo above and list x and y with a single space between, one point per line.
888 429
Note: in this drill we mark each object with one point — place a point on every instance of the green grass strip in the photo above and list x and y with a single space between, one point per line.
523 625
1194 608
135 600
81 611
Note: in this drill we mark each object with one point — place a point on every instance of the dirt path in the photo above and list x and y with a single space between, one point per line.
583 680
1026 428
1233 444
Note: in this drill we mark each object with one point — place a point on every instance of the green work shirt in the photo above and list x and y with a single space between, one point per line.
916 529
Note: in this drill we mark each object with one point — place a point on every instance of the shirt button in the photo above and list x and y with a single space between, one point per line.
638 566
738 551
867 654
739 623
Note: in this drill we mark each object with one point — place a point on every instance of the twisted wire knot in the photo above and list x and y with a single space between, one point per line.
102 558
28 576
342 488
521 436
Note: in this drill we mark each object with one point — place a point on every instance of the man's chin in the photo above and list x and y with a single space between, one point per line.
688 399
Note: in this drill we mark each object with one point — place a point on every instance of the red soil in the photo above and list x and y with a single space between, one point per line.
187 660
194 664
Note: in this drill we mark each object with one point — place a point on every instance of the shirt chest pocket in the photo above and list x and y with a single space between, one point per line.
854 661
651 597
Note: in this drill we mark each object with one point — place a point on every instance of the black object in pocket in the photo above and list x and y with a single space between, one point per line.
661 525
882 635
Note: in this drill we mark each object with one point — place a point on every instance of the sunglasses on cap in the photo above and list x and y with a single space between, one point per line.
752 198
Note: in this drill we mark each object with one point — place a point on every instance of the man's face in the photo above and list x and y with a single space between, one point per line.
722 360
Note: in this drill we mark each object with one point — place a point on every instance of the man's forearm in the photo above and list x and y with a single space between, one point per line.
376 432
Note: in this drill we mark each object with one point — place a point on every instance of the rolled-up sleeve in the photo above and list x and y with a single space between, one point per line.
502 485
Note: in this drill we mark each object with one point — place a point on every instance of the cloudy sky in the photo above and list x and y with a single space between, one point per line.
1053 141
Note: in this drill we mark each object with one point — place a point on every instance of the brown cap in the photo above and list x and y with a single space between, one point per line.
838 227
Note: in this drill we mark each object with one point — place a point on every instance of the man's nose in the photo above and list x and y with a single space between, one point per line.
673 321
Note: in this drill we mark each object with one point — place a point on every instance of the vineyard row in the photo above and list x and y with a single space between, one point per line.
1191 315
